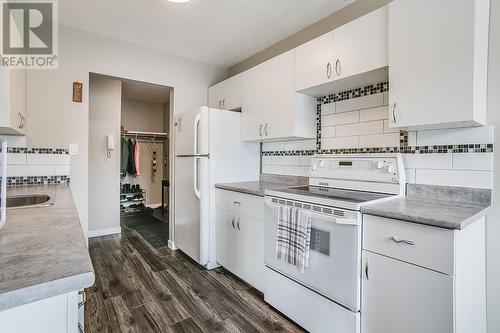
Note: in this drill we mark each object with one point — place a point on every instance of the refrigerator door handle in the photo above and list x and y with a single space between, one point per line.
195 160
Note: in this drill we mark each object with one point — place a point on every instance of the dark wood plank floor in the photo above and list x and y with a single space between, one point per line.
140 289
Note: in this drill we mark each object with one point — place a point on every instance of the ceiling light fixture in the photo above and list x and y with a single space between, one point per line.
179 1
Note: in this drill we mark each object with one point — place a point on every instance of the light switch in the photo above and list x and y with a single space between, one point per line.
73 149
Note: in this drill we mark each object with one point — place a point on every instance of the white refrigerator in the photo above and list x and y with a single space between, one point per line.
208 150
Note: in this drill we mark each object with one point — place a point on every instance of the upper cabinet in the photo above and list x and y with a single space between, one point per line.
226 95
271 108
13 101
438 63
349 56
360 46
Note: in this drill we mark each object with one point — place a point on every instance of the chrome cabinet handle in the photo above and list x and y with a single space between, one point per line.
22 121
337 67
265 129
366 270
237 202
260 130
232 223
238 224
220 107
402 241
224 103
394 112
329 70
84 298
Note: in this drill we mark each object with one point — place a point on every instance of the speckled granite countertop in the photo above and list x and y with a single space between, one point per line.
253 187
43 252
437 213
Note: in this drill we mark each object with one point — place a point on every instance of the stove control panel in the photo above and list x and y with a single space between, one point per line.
383 168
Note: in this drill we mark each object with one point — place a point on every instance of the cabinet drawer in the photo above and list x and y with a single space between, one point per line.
421 245
239 203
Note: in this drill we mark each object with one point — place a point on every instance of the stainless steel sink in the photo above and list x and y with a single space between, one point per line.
30 200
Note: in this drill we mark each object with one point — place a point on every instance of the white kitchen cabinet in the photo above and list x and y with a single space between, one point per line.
226 95
438 63
58 314
400 297
240 237
360 46
314 62
271 108
350 56
419 278
13 101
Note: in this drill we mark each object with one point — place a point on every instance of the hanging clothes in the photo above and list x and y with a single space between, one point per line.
124 152
131 159
137 158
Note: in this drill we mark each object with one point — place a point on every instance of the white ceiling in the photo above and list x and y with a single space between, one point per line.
145 92
218 32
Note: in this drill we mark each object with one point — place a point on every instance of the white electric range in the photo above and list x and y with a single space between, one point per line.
327 296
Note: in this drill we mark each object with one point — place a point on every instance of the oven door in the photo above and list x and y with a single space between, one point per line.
335 258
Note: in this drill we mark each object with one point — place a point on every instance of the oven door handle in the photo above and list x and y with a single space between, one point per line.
334 219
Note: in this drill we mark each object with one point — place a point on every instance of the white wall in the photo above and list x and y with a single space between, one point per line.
493 219
54 120
104 178
145 116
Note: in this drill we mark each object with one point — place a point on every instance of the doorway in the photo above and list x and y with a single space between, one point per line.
129 158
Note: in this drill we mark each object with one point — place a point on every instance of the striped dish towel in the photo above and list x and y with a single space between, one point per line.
293 237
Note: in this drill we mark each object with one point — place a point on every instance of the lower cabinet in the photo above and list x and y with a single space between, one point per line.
58 314
418 278
401 297
240 239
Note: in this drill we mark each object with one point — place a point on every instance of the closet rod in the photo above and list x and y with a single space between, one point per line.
152 134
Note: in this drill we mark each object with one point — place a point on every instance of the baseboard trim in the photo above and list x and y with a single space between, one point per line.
104 232
171 245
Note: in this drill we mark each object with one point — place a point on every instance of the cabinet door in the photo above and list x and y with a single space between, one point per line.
13 101
251 251
361 45
226 95
400 297
431 62
314 62
269 98
225 235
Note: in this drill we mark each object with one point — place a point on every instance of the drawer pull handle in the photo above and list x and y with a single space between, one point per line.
237 202
366 271
232 222
238 224
402 241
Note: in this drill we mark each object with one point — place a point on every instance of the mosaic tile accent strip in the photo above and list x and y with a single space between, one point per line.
37 180
24 150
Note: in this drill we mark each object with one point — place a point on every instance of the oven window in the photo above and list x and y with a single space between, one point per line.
320 241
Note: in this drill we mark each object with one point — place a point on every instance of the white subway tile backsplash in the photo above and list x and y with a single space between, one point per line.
16 158
410 176
379 140
340 118
30 170
386 98
378 113
428 161
388 129
412 138
48 159
462 178
327 132
291 160
267 160
366 128
273 146
273 169
305 160
456 136
278 160
61 170
364 102
339 143
300 145
327 109
483 161
297 171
